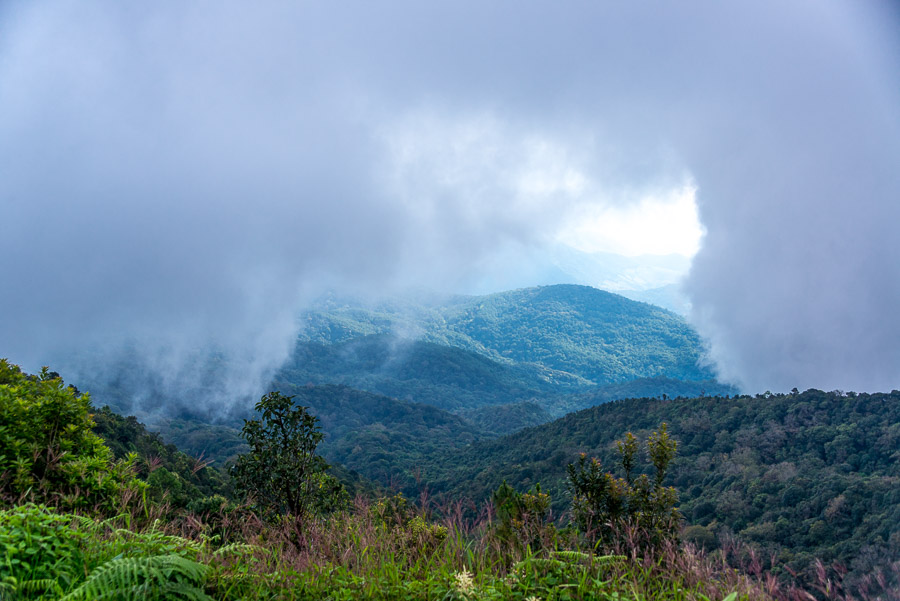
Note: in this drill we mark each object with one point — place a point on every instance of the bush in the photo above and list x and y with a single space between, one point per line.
69 557
48 452
523 518
608 509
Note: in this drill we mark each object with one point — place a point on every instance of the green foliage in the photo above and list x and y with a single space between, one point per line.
383 439
399 520
383 552
609 509
43 552
47 449
523 518
282 472
69 557
172 476
763 469
148 578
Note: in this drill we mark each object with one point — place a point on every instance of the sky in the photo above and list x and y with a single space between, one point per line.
179 177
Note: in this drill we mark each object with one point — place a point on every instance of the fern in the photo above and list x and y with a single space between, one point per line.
239 550
571 556
144 579
11 588
539 563
156 541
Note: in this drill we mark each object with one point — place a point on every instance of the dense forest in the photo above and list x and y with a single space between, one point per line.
802 475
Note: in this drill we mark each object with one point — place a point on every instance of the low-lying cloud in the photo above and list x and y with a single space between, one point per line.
180 178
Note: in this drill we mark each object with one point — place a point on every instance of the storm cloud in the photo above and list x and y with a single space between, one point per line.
178 178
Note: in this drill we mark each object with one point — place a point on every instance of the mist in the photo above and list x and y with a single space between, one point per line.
181 180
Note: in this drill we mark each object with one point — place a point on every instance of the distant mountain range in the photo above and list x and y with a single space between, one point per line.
471 367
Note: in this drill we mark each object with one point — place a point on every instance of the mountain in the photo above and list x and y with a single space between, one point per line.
443 376
499 420
668 297
565 335
652 388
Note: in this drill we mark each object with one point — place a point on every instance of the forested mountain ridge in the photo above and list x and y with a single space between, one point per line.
803 475
447 377
567 335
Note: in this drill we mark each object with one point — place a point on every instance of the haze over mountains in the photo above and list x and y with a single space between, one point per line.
401 380
650 278
464 353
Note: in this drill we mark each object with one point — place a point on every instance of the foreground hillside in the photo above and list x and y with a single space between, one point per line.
804 475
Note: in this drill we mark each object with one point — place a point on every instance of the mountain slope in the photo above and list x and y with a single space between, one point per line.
451 378
802 475
566 335
380 437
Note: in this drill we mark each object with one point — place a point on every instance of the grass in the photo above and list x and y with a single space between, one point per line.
368 552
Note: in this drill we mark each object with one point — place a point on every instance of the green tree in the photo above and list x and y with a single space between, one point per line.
48 452
523 518
282 472
606 507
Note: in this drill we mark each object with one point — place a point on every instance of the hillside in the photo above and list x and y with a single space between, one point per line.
803 475
571 336
447 377
383 439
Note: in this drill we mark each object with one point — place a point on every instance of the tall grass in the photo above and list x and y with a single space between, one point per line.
372 552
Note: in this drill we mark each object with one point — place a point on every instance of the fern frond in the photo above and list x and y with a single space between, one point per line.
607 559
571 556
540 563
146 578
238 549
158 539
40 585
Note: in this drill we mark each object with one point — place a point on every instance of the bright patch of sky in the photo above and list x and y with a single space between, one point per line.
658 224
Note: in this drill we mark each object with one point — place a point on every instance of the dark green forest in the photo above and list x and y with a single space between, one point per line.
804 475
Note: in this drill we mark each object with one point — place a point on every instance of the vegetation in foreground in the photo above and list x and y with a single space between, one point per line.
78 524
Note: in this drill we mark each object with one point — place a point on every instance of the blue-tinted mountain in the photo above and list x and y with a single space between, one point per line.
565 335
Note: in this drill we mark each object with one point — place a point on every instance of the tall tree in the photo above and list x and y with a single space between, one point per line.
282 472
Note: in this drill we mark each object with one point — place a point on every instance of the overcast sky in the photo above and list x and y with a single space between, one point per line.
178 175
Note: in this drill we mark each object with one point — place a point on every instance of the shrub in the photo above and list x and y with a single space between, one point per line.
523 517
608 509
48 452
